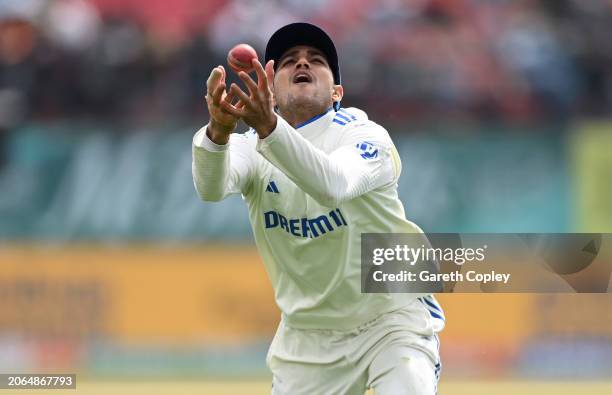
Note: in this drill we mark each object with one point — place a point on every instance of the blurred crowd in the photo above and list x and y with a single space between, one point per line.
147 60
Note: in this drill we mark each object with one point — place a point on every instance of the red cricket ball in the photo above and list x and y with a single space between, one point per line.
239 58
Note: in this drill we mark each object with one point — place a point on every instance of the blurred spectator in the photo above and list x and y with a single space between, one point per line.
147 60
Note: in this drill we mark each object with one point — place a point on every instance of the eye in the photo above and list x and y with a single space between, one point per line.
317 60
287 62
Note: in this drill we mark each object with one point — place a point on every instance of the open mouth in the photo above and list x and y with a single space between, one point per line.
302 78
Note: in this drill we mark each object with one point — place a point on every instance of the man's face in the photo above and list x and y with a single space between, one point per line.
303 78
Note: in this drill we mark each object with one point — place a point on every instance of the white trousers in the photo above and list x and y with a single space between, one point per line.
396 354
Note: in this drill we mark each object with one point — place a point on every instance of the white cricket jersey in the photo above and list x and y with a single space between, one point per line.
311 192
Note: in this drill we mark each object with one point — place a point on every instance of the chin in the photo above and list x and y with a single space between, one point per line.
305 101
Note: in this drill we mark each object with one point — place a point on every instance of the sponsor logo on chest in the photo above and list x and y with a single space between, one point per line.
306 227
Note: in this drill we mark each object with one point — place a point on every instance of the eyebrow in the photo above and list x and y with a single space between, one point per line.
311 52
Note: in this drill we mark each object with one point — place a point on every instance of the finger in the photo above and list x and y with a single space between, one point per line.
213 79
224 74
262 78
249 83
235 90
229 98
217 94
237 112
270 73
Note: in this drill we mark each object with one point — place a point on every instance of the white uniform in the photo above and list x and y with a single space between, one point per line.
311 192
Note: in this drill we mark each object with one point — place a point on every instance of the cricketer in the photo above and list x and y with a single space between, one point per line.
315 176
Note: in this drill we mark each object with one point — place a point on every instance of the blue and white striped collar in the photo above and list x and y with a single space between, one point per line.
319 123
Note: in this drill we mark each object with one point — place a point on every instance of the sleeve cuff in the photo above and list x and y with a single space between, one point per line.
200 139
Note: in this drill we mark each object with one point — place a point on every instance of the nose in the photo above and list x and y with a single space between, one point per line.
302 62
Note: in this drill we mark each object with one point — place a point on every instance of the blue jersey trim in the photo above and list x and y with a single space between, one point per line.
347 119
342 110
436 315
311 120
431 304
432 313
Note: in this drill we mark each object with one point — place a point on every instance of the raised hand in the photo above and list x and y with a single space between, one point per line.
257 108
222 122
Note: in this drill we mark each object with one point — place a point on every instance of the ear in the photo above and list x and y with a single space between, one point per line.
337 93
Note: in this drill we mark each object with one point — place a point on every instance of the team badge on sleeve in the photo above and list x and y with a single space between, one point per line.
367 150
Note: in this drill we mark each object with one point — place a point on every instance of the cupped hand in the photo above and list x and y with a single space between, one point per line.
257 108
222 121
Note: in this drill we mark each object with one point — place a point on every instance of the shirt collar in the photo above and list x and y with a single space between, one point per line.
316 124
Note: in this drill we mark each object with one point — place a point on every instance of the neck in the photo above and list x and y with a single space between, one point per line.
298 116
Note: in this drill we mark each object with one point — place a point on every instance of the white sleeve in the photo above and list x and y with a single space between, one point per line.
364 160
221 170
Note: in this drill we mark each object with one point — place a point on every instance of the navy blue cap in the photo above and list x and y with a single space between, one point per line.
302 33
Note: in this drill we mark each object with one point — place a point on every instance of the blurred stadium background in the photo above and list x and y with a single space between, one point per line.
111 267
